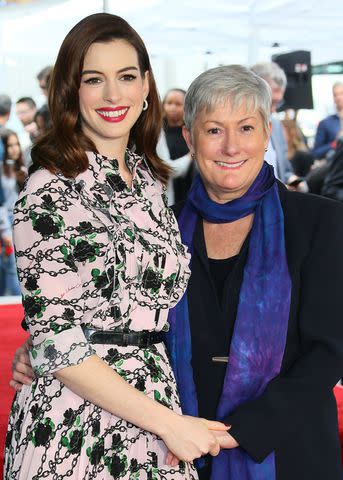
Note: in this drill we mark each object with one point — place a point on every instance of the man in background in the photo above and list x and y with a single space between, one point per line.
277 153
331 127
26 109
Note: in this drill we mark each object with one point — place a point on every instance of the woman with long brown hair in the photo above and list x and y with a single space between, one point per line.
100 263
12 176
298 153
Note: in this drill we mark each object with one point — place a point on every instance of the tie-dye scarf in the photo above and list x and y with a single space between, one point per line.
260 331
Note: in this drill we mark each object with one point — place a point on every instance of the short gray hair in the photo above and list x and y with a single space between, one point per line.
230 82
5 104
271 72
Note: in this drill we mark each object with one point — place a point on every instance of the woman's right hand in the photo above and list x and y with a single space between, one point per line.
22 373
189 438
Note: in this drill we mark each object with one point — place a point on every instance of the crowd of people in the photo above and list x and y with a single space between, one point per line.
201 341
15 160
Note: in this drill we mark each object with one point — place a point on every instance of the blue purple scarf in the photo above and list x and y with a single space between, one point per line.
260 330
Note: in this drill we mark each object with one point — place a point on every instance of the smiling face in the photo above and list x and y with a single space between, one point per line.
111 95
229 148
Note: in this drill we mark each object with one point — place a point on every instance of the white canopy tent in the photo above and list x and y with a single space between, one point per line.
184 37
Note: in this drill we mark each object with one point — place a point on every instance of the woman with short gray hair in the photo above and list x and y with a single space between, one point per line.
256 341
216 86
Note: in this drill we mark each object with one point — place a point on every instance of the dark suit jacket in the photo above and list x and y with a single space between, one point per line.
296 415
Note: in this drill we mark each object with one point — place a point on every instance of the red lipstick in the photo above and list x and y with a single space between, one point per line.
113 115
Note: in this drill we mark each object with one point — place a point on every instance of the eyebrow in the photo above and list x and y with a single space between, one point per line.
85 72
250 117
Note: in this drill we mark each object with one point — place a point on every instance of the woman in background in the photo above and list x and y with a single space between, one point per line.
298 153
13 175
179 157
13 169
43 120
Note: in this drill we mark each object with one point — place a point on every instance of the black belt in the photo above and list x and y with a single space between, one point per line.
141 339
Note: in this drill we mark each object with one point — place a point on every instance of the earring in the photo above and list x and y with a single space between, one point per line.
266 149
193 156
145 105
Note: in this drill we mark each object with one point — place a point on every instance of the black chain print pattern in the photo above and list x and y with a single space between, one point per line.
91 251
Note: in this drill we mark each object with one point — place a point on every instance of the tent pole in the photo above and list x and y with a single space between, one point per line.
105 6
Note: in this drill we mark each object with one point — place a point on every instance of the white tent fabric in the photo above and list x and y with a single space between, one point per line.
245 30
183 36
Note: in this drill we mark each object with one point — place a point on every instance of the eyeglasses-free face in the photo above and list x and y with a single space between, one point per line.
111 94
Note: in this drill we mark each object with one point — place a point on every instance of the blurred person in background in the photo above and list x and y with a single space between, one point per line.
13 165
277 152
43 77
13 175
298 153
179 157
332 185
26 109
331 127
5 110
43 120
2 151
6 246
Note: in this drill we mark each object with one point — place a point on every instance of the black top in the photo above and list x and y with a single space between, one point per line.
296 416
210 374
177 145
221 270
302 162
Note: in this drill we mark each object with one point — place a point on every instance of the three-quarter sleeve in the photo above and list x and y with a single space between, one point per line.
51 287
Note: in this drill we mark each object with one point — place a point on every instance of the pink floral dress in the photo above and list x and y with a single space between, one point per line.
91 251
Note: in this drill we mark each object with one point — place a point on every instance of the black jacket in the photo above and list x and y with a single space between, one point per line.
296 416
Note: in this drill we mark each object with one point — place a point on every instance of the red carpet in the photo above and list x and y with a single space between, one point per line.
12 335
339 399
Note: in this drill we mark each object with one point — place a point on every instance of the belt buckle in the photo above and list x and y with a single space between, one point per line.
89 332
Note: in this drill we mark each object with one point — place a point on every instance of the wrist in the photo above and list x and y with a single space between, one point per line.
165 421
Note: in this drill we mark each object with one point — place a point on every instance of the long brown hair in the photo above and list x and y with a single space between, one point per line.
295 138
63 148
5 136
18 169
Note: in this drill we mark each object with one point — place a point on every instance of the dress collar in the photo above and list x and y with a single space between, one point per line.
132 160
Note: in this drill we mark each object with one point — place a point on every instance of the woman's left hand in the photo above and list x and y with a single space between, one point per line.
225 440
